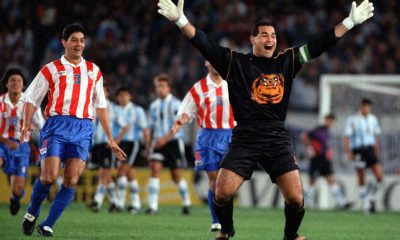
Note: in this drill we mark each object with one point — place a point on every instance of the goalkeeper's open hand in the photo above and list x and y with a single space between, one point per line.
173 12
359 14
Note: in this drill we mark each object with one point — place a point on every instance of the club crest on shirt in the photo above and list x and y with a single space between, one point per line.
268 88
61 73
77 79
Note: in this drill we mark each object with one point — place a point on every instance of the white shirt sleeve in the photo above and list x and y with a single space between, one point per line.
377 128
141 118
99 100
36 91
348 129
188 106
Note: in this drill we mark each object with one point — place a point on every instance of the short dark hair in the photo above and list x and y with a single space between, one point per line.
330 116
366 101
121 90
163 77
255 30
70 29
9 72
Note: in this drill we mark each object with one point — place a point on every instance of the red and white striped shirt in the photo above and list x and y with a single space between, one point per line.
72 90
11 118
209 103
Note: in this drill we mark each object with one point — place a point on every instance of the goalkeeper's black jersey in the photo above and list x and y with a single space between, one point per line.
259 88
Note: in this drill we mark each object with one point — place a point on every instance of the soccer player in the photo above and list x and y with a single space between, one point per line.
362 145
14 155
259 88
74 88
166 150
317 144
102 156
208 101
129 125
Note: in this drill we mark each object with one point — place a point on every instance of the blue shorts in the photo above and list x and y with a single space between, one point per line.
66 137
16 161
210 149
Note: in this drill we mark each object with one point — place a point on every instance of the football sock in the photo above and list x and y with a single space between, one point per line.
224 212
294 217
183 191
111 194
154 188
211 206
338 194
39 193
99 195
122 183
61 201
134 191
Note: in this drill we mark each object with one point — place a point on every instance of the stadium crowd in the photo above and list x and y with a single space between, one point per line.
132 43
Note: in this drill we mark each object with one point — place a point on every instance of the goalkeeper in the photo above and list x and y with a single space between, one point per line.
259 87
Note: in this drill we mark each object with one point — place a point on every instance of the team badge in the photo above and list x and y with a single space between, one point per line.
91 74
77 78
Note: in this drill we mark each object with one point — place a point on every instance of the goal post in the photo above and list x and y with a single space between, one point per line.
341 95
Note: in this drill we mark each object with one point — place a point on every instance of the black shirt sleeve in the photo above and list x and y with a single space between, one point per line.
313 49
218 56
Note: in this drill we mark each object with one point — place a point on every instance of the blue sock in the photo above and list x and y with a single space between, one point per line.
61 201
39 193
211 206
17 198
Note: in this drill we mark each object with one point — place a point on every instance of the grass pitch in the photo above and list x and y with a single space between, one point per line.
78 222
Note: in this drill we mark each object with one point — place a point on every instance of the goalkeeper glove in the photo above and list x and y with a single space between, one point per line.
359 14
172 12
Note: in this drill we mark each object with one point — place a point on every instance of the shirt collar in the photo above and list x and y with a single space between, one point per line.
167 98
211 83
64 61
7 99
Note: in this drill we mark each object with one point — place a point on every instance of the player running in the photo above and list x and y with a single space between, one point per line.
74 88
208 102
14 155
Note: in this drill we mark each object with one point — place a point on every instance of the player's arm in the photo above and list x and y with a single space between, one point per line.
348 131
187 111
217 55
102 115
307 145
100 104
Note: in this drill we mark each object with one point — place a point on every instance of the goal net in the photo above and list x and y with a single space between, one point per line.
341 94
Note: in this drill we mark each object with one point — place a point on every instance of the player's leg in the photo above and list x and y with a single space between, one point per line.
313 172
103 188
135 204
122 184
363 190
336 192
133 184
73 169
17 192
176 175
290 185
49 172
227 184
154 186
376 167
212 178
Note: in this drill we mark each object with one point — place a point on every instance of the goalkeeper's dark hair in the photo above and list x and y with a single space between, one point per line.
255 30
366 101
70 29
330 116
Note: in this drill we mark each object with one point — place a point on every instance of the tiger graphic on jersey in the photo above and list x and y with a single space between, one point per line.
268 88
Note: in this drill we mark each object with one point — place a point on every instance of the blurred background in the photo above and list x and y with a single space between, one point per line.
131 43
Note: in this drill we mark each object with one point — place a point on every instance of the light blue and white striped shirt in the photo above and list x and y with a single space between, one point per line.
130 114
362 130
99 136
163 114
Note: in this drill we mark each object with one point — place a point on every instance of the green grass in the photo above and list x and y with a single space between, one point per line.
78 222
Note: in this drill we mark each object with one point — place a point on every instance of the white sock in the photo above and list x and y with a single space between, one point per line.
308 196
183 190
364 195
154 189
111 194
338 194
122 183
99 195
375 189
134 190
